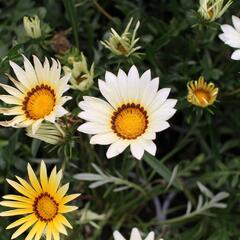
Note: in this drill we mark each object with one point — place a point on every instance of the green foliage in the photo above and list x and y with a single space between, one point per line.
121 193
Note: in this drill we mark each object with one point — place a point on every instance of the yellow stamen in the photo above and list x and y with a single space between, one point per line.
129 121
39 102
45 207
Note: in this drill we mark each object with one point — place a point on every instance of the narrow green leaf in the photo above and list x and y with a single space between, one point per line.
161 169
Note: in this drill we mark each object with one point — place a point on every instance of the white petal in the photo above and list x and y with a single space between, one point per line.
30 72
10 99
162 114
96 104
150 92
149 135
118 236
51 117
94 116
108 93
236 23
36 125
137 149
133 84
112 83
135 234
150 236
38 69
60 111
62 85
150 146
232 37
116 148
160 98
21 75
236 55
146 76
93 128
104 139
17 110
158 126
14 122
123 85
13 91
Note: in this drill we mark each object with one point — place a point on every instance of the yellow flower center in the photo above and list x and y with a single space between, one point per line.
202 96
39 102
45 207
121 49
129 121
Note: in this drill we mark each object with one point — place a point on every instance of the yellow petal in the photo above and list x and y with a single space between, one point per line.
26 185
69 198
15 204
63 220
20 189
33 179
20 221
61 192
16 212
18 198
59 226
65 209
54 182
49 231
43 176
55 233
40 229
24 227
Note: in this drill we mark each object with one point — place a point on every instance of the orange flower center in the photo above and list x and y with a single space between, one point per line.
45 207
202 96
39 102
129 121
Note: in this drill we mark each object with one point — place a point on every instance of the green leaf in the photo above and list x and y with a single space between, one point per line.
161 169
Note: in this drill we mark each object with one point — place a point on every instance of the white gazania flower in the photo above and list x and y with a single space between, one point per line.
211 10
37 94
134 111
231 36
135 235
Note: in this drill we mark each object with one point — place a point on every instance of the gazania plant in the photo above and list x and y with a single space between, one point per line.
119 120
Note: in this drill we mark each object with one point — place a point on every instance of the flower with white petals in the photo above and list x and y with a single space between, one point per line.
32 26
134 111
81 76
124 44
231 36
211 10
135 235
37 94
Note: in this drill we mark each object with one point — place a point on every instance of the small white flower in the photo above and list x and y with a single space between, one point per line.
134 111
81 77
124 44
37 94
231 36
135 235
211 10
32 26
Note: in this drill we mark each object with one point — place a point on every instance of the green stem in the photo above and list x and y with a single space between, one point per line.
70 9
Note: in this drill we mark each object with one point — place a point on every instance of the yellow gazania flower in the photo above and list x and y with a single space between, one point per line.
37 95
42 204
200 93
